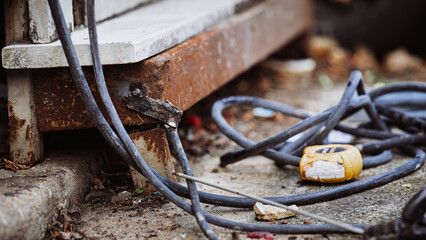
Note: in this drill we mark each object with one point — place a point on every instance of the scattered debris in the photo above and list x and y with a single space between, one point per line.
290 73
332 60
258 235
307 223
193 121
302 67
338 56
96 196
263 112
170 227
325 82
401 60
321 46
272 213
407 185
7 164
364 59
336 136
235 236
123 196
98 183
63 228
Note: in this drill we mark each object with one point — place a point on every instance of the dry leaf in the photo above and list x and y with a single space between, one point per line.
98 183
7 164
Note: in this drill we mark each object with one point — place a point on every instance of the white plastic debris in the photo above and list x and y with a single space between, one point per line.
336 136
263 112
272 213
293 67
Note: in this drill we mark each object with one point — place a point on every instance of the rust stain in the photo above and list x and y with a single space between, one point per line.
15 124
28 133
58 103
155 141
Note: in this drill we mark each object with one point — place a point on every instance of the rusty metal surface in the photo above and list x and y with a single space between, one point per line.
182 75
58 102
153 147
25 140
163 111
26 144
16 21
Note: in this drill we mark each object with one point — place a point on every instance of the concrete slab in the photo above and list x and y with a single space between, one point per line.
108 8
129 38
31 199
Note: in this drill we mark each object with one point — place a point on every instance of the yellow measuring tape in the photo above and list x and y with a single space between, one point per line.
330 163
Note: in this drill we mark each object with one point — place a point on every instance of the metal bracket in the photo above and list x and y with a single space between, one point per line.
163 111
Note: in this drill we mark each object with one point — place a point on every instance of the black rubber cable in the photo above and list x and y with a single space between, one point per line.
100 81
401 117
251 148
135 160
174 141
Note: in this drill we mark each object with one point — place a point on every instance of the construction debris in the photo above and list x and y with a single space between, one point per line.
290 73
291 67
263 112
7 164
272 213
263 235
364 59
401 60
321 46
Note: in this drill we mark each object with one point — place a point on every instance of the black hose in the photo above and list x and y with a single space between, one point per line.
100 81
124 146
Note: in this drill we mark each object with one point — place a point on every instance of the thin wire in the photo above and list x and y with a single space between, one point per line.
263 200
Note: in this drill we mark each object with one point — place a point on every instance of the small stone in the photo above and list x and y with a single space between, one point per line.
122 196
364 59
272 213
263 112
401 60
407 185
172 124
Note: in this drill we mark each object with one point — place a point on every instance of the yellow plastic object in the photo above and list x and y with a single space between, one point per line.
330 163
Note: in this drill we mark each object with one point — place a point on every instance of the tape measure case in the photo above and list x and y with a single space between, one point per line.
330 163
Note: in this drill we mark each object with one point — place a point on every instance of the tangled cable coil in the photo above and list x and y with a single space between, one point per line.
276 148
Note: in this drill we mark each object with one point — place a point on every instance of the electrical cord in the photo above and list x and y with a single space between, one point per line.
171 190
137 162
100 81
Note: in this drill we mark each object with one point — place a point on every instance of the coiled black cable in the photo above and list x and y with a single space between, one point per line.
169 189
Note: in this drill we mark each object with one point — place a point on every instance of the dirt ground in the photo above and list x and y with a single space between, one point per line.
111 214
115 210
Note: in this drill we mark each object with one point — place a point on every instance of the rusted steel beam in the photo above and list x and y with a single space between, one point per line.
182 75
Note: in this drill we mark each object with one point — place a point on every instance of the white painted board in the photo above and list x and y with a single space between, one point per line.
41 26
131 37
